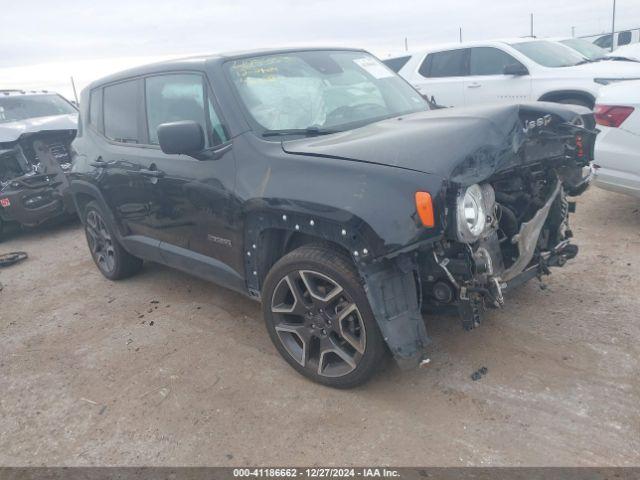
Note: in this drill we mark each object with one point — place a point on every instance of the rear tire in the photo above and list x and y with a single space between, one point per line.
319 319
113 261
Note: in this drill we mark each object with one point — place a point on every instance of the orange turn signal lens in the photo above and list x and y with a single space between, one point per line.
424 207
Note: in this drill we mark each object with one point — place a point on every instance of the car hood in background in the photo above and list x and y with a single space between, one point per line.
461 144
603 68
11 131
631 51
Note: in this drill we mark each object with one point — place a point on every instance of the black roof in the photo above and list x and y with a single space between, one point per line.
199 61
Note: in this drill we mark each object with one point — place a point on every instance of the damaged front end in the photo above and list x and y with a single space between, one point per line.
502 220
33 177
513 225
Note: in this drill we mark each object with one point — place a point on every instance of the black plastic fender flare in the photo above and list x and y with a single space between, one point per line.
78 187
353 235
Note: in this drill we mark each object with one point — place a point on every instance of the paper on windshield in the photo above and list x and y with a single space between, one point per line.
373 68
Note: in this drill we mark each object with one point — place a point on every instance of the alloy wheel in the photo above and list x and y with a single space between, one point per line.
318 323
100 242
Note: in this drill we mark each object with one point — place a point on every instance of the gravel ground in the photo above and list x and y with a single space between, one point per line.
165 369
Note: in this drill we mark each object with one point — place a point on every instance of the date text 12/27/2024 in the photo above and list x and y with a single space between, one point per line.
315 472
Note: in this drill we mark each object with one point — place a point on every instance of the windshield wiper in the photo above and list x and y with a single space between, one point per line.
621 59
309 131
599 59
586 60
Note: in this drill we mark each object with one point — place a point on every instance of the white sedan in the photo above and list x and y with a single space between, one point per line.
616 162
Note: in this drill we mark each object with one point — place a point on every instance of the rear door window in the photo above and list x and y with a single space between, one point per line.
121 112
489 61
452 63
604 41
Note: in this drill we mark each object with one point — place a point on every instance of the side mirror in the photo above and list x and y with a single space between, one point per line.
432 102
185 137
516 69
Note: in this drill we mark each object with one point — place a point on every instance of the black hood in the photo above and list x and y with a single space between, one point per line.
11 131
461 144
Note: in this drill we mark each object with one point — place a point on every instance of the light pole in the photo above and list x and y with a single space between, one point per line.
613 26
532 26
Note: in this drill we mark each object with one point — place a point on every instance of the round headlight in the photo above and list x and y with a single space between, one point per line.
471 215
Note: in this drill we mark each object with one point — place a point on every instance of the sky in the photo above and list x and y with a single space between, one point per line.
44 42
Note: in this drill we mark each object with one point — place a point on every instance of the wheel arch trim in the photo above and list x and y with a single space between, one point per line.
353 236
81 188
554 95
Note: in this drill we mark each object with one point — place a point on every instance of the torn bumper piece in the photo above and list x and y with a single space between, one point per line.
33 200
391 289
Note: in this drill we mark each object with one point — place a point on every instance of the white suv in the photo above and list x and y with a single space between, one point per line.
626 37
508 71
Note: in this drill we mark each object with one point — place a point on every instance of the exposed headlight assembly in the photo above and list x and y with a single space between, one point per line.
472 210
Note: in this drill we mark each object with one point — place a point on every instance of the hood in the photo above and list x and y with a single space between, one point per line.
11 131
603 69
461 144
631 51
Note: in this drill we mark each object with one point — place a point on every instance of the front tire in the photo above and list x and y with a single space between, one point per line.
318 317
113 261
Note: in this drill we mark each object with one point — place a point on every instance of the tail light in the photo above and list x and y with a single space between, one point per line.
611 115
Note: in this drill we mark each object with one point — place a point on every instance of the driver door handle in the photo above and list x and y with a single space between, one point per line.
151 172
474 85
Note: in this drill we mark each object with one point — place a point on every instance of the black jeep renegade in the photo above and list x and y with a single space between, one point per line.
322 184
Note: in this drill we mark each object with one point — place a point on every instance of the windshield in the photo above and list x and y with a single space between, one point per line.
549 54
585 48
20 107
316 90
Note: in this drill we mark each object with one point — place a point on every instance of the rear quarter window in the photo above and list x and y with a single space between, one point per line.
604 41
94 108
452 63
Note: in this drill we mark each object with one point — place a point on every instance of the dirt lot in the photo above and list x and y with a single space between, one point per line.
165 369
